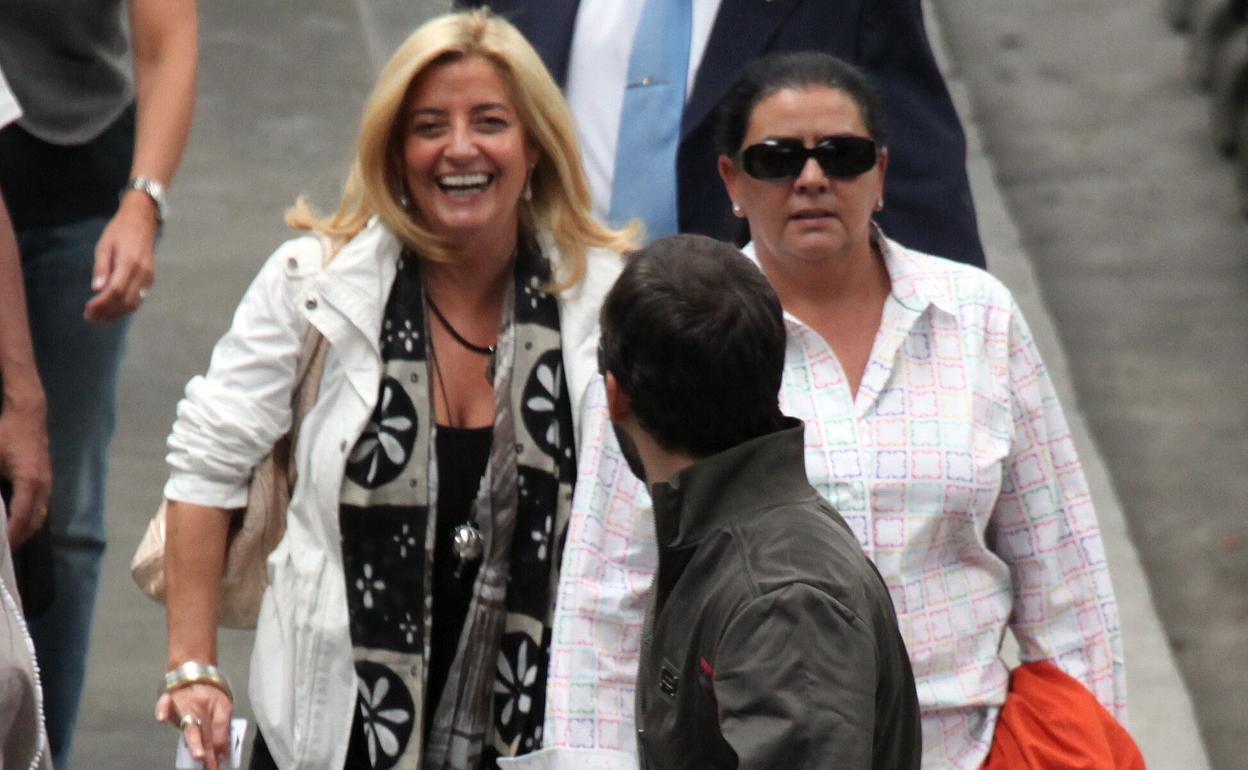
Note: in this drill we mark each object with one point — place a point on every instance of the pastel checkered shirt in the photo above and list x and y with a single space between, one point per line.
954 466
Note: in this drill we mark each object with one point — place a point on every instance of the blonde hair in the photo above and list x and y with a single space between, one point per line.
560 200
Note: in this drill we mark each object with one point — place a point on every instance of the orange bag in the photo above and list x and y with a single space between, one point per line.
1050 721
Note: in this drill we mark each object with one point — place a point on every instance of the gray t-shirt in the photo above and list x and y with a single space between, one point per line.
69 63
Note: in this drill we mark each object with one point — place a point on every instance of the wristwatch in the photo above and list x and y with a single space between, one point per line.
152 189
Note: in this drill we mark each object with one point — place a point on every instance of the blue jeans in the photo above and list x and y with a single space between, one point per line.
78 362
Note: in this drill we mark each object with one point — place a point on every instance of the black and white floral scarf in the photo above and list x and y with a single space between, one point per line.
494 701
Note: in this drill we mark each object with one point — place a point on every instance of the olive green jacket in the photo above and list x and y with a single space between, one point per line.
772 641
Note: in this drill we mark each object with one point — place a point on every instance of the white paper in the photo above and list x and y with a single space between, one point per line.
563 758
238 731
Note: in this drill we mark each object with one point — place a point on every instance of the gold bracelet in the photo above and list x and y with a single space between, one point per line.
194 672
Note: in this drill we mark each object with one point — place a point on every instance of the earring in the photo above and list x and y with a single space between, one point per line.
879 205
736 208
404 201
528 184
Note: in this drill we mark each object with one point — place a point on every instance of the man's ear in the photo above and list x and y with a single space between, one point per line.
619 405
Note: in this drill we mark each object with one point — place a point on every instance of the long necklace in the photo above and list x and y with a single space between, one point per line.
481 350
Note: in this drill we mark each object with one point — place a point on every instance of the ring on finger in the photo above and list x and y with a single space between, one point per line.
189 719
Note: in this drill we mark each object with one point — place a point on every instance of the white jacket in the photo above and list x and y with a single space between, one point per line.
303 685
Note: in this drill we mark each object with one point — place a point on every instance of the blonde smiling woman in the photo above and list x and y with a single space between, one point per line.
407 619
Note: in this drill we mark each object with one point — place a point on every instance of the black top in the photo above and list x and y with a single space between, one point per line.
462 456
48 184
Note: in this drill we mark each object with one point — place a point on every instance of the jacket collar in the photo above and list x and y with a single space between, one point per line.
357 280
759 474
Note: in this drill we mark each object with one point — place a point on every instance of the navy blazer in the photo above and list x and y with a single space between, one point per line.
927 194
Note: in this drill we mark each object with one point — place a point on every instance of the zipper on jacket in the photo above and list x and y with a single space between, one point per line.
41 741
643 669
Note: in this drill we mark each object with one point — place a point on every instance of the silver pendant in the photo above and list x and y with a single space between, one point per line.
466 542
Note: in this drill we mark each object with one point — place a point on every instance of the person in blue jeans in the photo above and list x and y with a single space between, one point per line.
106 98
25 474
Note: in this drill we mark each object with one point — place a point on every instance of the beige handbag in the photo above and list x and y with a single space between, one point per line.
256 529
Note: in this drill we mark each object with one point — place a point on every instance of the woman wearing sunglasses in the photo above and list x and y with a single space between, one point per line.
931 425
931 422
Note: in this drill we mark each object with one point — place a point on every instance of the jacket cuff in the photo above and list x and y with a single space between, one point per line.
189 488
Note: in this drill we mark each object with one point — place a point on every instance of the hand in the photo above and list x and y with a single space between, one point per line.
125 259
209 737
24 461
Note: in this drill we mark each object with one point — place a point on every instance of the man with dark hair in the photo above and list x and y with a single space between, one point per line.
771 639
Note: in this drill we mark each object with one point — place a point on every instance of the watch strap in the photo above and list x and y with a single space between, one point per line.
152 189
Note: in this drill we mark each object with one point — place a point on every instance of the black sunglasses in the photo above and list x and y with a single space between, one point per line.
840 157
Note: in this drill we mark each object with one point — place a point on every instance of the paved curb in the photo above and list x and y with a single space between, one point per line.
1162 719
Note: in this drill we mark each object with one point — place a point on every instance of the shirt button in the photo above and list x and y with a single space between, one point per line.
310 304
342 446
292 263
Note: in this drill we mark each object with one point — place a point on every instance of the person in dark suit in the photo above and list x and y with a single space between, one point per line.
929 204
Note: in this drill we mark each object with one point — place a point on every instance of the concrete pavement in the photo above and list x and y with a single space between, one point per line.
1160 711
1129 218
280 92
